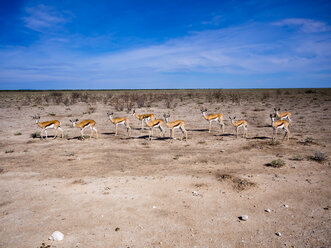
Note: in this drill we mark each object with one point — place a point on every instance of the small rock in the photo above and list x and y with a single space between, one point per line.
285 205
222 150
243 217
154 207
195 193
117 229
278 234
267 210
56 236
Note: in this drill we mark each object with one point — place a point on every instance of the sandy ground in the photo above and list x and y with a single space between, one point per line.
131 192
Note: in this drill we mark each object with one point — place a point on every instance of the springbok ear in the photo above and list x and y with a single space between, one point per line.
278 109
76 120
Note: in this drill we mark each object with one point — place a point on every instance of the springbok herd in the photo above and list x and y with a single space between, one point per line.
278 120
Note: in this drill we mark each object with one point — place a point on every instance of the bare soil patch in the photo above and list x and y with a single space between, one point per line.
121 191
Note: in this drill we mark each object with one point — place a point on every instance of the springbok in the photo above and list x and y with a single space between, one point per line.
213 117
283 115
85 124
152 124
120 121
142 117
283 124
175 124
48 125
238 124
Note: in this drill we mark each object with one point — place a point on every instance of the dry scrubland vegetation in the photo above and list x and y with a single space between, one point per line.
130 192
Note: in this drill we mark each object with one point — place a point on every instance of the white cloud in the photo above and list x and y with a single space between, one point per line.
216 20
231 50
42 17
240 53
305 25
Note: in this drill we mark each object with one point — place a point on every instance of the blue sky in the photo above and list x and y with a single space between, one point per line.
164 44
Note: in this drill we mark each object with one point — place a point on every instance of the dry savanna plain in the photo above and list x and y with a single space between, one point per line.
121 191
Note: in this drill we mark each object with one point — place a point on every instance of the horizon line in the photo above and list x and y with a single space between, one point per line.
3 90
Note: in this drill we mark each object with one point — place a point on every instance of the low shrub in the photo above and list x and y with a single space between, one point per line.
319 157
278 163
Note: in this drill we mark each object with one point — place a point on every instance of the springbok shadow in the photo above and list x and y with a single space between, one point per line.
142 137
111 133
262 126
259 138
78 138
137 128
127 138
48 137
161 138
197 130
224 134
153 137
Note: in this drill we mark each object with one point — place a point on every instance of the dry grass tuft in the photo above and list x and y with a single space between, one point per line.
309 140
239 184
278 163
200 185
274 143
221 177
79 181
297 158
251 146
242 184
319 157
